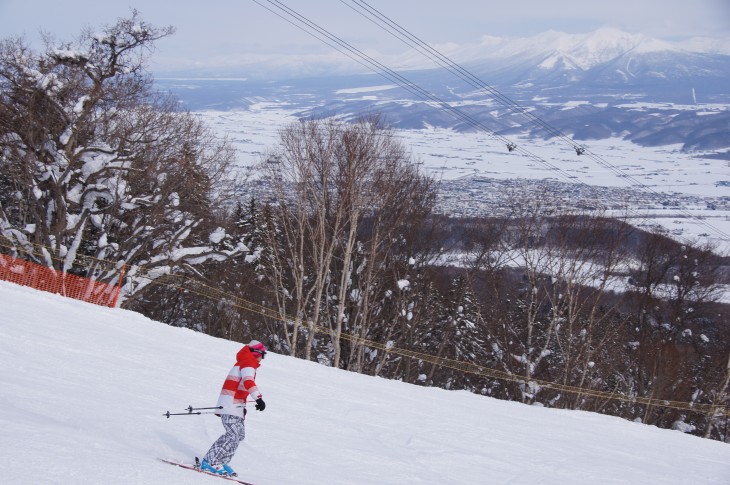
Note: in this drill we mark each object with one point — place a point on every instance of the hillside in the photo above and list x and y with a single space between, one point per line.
85 388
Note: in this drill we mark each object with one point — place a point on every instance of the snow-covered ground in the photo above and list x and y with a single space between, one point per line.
452 155
83 390
650 180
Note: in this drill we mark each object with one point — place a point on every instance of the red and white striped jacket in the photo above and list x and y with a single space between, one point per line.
240 384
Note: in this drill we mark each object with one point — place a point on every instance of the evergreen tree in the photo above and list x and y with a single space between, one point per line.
461 334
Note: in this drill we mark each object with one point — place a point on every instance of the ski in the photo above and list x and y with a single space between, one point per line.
197 469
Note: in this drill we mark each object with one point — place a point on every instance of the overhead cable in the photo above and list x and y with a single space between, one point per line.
399 32
311 28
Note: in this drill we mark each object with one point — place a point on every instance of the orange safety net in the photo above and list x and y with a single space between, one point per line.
26 273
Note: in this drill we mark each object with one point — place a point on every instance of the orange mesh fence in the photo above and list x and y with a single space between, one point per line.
26 273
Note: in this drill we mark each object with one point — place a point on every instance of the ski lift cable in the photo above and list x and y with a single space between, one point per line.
441 59
370 63
378 18
363 59
393 76
410 39
396 30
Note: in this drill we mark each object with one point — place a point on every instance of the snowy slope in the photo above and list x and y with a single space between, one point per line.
83 390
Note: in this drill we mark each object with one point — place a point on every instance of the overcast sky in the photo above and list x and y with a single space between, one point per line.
218 32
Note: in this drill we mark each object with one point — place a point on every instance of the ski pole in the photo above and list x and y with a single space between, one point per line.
168 414
190 408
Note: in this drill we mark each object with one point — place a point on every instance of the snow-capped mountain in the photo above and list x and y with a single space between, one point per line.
606 58
623 84
576 51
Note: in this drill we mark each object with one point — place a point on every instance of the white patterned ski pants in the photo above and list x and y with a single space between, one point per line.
224 448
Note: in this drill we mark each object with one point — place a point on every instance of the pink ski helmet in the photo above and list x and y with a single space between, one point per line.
258 347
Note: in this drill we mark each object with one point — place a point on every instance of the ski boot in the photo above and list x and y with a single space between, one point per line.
229 471
214 469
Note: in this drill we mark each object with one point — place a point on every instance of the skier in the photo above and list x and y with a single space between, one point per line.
238 386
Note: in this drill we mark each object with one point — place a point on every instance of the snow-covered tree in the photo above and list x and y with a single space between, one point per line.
96 164
459 334
404 317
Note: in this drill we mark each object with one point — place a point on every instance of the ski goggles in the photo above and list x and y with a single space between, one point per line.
262 353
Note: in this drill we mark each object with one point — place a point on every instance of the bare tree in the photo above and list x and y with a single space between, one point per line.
674 302
720 397
304 223
553 322
343 191
590 255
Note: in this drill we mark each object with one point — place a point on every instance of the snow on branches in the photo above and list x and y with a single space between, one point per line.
96 164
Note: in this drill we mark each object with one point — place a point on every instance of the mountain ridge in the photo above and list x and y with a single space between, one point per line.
625 83
589 48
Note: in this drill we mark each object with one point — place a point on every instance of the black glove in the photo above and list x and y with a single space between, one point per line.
260 404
